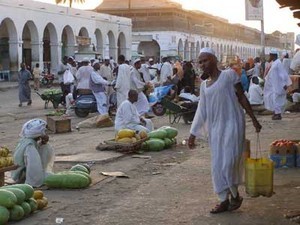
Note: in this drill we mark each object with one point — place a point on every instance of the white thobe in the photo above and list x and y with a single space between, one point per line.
101 97
165 71
138 85
255 94
83 76
295 63
106 72
34 160
128 117
122 83
145 71
220 113
189 96
274 93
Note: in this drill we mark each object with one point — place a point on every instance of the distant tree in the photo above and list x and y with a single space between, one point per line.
70 2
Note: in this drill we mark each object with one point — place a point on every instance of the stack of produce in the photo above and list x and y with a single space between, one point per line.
41 200
162 138
283 153
52 92
16 202
129 136
77 177
6 158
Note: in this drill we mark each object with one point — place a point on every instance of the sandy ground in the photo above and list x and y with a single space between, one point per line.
172 187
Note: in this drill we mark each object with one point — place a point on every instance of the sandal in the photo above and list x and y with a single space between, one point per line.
235 203
222 207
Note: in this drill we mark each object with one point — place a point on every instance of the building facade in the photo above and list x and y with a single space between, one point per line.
34 32
161 27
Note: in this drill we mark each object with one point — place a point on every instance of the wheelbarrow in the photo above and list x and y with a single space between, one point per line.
54 96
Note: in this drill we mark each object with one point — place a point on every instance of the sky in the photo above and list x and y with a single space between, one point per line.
232 10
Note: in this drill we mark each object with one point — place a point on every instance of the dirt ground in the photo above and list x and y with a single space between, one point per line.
170 187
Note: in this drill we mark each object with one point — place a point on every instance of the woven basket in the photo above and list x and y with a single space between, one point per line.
126 147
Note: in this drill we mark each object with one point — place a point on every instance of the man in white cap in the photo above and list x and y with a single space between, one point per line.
166 70
277 81
33 154
107 73
138 85
83 76
145 70
152 68
220 117
295 64
97 85
123 80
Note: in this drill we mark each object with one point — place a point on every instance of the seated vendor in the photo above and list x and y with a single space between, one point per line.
128 117
33 154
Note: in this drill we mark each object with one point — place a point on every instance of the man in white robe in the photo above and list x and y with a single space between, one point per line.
138 85
166 71
83 76
220 113
33 154
128 117
145 70
255 92
276 83
97 85
107 73
123 80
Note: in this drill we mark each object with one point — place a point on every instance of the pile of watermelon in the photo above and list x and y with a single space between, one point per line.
77 177
162 138
16 202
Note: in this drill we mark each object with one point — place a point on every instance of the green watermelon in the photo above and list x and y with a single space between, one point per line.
171 131
7 198
26 207
33 204
168 143
77 172
26 188
4 215
67 180
16 213
80 167
160 134
19 194
154 144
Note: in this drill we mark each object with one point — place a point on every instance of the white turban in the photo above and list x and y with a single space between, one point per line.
95 62
33 128
297 40
207 50
137 60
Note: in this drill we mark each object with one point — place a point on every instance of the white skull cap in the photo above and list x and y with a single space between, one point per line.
137 60
207 50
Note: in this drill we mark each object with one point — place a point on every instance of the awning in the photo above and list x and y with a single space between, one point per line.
294 6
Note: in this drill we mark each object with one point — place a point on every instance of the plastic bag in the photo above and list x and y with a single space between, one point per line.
68 77
159 93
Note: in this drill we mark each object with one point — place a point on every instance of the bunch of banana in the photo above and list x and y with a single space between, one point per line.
6 159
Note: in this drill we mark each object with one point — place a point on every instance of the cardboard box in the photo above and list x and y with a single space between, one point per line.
59 124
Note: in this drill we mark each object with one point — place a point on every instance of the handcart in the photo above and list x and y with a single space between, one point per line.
54 96
177 111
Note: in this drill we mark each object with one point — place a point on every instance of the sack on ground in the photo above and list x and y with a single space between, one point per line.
96 121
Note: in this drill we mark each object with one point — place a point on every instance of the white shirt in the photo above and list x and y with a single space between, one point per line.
123 79
255 94
83 77
165 71
126 114
145 71
136 81
105 71
189 96
295 64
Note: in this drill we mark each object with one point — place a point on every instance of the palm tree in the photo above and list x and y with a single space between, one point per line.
70 2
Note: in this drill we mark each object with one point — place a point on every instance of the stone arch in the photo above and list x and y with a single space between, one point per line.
110 45
202 44
51 56
10 59
122 44
207 44
99 42
180 48
192 51
30 48
186 50
149 49
68 41
83 32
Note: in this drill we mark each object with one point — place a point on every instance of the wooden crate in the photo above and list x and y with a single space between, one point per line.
3 170
59 124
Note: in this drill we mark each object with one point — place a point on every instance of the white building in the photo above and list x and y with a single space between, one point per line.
37 32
